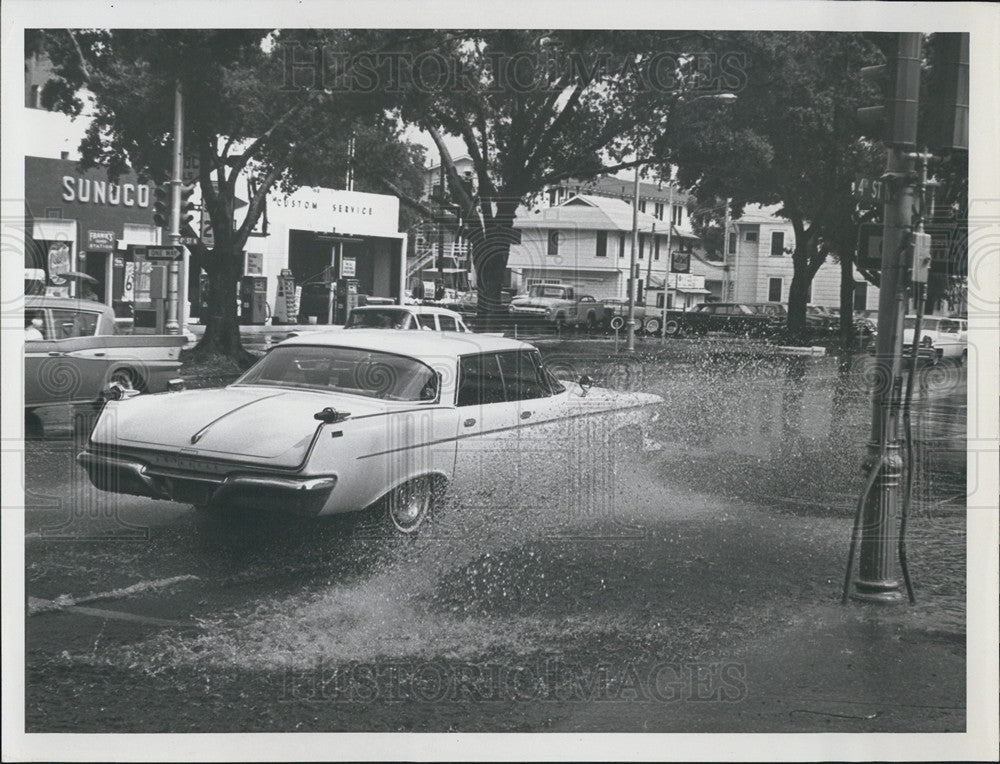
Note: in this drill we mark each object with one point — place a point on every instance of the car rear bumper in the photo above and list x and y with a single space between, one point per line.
278 493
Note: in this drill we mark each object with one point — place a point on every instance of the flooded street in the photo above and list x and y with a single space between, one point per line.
652 573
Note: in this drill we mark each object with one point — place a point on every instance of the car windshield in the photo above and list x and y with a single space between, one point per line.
541 290
383 318
345 370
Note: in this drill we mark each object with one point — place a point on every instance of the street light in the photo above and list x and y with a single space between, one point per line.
633 262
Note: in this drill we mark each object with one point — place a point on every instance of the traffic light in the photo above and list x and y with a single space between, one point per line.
948 91
187 207
895 121
161 205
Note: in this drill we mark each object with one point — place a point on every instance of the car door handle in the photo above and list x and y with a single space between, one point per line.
55 354
469 422
98 355
525 414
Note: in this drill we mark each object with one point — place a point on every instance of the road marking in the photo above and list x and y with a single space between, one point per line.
36 605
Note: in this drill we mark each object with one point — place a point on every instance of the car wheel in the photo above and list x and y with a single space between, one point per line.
409 505
652 326
617 322
672 328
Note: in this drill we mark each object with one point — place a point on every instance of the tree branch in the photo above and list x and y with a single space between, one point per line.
79 51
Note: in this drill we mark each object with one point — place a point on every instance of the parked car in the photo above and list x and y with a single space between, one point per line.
558 303
733 317
72 353
406 317
339 421
944 339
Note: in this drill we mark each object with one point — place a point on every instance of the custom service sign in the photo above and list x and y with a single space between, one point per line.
329 210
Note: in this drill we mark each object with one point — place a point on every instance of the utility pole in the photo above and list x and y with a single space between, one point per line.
876 580
666 267
440 247
725 256
633 267
173 268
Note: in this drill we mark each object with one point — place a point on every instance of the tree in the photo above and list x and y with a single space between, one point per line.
791 139
243 118
532 107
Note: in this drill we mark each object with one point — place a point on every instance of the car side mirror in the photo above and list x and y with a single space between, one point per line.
116 391
585 384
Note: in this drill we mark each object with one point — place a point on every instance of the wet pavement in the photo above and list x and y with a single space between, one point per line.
694 587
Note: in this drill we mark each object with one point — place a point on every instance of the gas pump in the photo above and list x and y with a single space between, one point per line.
286 307
346 299
253 300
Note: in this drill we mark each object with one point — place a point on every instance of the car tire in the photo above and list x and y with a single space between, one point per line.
409 505
672 328
652 326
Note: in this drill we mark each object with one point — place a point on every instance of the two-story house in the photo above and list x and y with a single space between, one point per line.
760 264
586 241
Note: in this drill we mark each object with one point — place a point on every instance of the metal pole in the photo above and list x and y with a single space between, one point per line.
876 581
441 227
666 269
725 253
172 326
630 344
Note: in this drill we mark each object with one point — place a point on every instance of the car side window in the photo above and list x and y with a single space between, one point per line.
949 327
521 377
70 323
479 380
447 324
427 321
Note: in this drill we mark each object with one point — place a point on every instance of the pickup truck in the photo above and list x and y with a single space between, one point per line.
558 303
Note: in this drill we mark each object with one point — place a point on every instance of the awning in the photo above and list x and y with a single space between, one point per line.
693 291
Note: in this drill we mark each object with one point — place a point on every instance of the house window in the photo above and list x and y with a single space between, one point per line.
777 243
552 197
774 290
642 206
553 242
656 247
658 210
861 295
670 300
659 299
732 244
602 243
621 245
751 236
676 212
642 245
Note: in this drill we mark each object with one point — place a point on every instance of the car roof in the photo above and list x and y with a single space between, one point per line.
419 309
36 301
416 344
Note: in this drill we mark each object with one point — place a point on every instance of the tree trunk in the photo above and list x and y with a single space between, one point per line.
222 330
798 292
490 251
846 302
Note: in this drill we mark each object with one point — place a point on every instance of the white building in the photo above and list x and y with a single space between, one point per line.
761 269
586 241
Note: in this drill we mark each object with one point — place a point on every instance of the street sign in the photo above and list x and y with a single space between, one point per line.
869 189
189 241
207 234
163 253
348 267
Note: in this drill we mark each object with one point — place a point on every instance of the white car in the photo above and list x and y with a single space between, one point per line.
944 339
406 317
341 421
